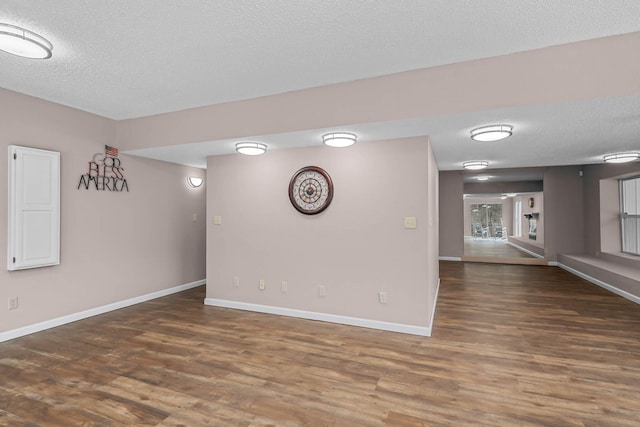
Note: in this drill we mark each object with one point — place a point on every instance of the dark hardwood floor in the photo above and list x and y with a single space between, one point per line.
512 346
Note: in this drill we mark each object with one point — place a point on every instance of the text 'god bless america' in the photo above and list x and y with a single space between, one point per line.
105 172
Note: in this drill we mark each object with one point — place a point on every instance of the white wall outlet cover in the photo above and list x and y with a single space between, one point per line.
410 222
217 220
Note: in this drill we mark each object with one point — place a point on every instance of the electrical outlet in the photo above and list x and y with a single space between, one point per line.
382 296
236 281
322 291
283 287
410 222
262 284
13 303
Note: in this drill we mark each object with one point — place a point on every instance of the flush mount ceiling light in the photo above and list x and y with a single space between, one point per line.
475 165
511 194
339 139
482 178
491 133
22 42
621 157
194 181
251 148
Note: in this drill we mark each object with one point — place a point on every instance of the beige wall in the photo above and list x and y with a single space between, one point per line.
527 78
451 214
356 248
114 246
564 211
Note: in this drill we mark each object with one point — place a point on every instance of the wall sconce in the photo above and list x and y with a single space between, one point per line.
22 42
194 181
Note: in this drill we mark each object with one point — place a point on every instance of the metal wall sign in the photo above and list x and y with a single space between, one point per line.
105 172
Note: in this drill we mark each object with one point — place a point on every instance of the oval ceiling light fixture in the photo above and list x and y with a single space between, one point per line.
339 139
22 42
251 148
491 133
621 157
195 181
482 178
475 165
511 194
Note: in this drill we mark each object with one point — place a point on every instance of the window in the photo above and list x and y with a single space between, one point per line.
486 220
630 215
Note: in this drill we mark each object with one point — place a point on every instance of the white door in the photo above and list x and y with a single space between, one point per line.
34 208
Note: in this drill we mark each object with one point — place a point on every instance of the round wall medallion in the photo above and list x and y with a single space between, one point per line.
311 190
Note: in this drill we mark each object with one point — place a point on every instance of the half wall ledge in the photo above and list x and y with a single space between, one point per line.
619 276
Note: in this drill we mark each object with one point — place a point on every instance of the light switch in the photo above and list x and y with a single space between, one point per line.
195 217
382 296
217 220
410 222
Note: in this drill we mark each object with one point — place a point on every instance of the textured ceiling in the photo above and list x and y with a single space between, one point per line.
125 59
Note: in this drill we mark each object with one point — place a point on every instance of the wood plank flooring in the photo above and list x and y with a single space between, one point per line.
512 346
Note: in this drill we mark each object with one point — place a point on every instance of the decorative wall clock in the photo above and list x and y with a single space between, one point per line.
311 190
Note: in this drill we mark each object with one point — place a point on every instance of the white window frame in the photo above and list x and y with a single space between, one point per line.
627 233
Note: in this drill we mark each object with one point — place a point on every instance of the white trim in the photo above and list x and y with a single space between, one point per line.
47 324
526 250
610 288
553 264
433 312
324 317
450 258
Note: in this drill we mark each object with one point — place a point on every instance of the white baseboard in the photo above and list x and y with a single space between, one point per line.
48 324
450 258
610 288
324 317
